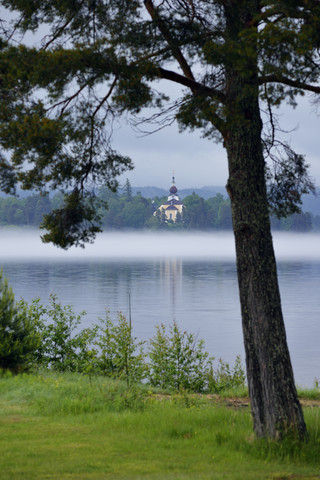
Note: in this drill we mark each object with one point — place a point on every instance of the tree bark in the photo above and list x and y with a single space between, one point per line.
274 402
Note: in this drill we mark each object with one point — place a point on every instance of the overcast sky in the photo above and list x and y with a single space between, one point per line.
198 162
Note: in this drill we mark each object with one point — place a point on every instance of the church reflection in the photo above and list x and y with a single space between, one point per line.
171 281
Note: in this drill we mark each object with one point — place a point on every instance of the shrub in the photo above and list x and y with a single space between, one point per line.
61 348
178 361
51 337
120 355
106 348
224 377
86 360
19 338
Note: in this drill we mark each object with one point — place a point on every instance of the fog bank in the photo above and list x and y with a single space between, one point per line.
26 244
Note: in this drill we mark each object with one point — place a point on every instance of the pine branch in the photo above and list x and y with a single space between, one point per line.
195 87
287 81
58 32
177 53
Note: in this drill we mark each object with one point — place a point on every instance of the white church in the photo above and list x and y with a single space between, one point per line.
173 205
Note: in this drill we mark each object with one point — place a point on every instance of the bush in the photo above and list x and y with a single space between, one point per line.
61 348
178 361
120 355
106 348
224 377
19 338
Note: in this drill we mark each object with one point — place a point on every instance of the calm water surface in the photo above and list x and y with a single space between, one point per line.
187 278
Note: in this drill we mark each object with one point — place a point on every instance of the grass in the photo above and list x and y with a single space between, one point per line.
309 394
55 426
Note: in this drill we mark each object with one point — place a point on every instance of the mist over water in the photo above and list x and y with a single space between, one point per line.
187 277
27 244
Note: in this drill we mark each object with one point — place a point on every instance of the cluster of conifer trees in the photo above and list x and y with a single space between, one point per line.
128 211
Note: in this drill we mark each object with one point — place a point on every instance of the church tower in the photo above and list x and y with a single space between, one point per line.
173 205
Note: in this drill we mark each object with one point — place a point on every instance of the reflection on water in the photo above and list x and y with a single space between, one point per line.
194 288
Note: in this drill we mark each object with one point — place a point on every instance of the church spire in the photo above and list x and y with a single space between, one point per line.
173 191
173 206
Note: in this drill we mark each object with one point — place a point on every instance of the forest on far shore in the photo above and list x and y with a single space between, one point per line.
128 211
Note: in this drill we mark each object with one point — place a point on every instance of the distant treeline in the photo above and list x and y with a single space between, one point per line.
128 211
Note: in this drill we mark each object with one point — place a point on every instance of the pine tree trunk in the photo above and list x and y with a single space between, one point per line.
274 402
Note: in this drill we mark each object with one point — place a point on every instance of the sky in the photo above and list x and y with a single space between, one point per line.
198 162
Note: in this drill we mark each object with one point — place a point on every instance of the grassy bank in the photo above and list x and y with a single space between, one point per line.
59 426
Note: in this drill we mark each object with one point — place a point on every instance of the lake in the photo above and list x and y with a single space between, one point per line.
189 278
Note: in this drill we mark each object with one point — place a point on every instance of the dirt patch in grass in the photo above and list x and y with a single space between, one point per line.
310 403
296 477
245 402
235 402
11 419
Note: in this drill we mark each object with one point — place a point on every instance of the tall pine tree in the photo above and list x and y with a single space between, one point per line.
19 338
231 58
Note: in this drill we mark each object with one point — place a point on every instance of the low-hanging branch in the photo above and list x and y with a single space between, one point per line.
194 86
176 51
290 83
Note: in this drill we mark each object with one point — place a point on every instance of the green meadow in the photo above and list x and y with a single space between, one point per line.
67 426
